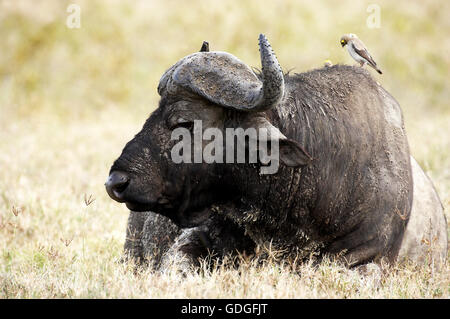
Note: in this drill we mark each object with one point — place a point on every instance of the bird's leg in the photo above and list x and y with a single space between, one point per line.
361 64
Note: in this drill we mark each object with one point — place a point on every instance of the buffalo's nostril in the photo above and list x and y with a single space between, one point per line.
116 184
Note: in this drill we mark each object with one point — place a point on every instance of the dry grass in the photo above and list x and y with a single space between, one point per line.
71 98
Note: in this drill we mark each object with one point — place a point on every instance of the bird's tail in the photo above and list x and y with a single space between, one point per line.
373 65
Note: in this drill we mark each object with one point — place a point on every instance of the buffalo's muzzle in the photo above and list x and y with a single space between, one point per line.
116 184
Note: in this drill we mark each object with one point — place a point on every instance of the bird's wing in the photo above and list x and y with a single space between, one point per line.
360 48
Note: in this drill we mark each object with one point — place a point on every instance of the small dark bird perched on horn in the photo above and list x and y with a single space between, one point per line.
205 47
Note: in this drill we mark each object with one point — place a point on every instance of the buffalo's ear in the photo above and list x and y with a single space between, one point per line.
291 153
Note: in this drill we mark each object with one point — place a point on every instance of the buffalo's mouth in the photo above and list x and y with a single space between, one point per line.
161 206
183 218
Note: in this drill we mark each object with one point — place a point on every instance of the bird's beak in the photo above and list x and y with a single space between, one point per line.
343 43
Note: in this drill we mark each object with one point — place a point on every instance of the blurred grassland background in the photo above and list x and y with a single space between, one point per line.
71 98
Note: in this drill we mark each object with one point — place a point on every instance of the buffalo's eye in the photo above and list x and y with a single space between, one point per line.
176 122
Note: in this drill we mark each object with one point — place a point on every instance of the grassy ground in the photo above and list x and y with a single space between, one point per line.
71 98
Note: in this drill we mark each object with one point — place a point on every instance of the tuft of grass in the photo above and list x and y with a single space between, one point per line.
71 98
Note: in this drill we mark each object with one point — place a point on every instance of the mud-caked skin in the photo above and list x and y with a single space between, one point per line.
344 185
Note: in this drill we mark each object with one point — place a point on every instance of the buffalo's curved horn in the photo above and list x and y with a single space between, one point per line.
225 80
272 78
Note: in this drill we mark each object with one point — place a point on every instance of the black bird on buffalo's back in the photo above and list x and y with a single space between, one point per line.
205 47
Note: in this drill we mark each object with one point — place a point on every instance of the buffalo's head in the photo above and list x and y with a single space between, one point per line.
222 92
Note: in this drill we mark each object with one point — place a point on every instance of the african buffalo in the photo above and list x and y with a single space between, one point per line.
344 186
